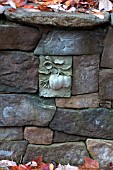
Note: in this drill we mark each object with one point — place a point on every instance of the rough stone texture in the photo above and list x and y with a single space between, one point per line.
55 76
71 42
17 37
101 150
57 19
107 55
106 84
105 103
72 152
19 110
11 133
111 16
18 72
63 137
112 104
96 123
13 150
80 101
85 74
36 135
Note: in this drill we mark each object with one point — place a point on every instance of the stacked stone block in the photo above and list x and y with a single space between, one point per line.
63 129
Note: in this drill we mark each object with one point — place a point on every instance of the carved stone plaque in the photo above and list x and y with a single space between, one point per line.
55 76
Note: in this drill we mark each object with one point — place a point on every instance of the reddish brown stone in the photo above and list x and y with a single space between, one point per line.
18 72
107 56
18 37
106 84
80 101
85 74
37 135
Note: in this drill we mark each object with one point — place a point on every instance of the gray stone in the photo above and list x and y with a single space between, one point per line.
64 137
56 18
18 72
101 150
55 76
38 135
111 18
79 101
96 123
71 42
13 150
85 74
107 55
106 84
11 133
72 152
19 110
17 37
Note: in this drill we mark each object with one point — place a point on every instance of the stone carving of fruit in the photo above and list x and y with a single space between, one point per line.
67 81
57 82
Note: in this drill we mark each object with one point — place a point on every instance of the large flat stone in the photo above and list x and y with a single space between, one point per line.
37 135
107 55
101 150
85 74
106 84
71 42
18 72
96 123
20 110
72 152
56 18
64 137
11 133
17 37
79 101
13 150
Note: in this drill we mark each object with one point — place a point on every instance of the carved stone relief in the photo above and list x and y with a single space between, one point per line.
55 76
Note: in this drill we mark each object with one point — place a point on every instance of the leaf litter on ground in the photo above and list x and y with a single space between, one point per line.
95 7
38 164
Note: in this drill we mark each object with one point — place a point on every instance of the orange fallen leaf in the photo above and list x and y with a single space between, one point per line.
17 3
1 9
89 164
28 6
20 167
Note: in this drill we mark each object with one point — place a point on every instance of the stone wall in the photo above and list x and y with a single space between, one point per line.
64 126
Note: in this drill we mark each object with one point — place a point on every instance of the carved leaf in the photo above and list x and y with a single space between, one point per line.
57 61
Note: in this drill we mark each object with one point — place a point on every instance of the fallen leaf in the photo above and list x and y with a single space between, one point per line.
66 167
20 167
105 5
89 164
17 3
2 8
7 163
